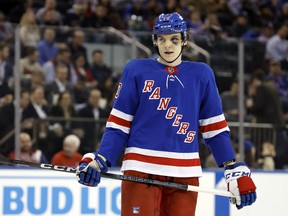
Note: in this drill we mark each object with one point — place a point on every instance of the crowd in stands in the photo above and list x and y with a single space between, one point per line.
59 82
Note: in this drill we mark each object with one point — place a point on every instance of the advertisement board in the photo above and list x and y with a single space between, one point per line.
39 192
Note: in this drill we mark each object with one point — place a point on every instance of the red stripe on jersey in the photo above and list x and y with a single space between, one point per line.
119 121
213 126
162 160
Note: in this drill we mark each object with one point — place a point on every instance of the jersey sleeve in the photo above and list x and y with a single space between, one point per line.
212 123
120 119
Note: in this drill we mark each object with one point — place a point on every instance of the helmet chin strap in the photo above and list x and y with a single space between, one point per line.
169 61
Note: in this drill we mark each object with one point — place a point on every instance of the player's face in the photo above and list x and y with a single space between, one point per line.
170 46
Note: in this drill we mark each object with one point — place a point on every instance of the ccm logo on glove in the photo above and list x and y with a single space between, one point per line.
237 174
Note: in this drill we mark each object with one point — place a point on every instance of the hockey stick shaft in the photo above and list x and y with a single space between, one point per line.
18 163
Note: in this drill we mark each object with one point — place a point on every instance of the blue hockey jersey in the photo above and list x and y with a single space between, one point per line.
157 114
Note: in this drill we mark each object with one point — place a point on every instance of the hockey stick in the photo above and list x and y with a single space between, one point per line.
18 163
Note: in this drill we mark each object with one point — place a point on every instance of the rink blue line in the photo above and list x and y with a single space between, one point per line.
222 207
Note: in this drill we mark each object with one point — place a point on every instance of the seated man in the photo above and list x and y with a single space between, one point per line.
27 152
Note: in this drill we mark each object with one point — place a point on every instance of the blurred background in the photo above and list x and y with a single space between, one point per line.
61 61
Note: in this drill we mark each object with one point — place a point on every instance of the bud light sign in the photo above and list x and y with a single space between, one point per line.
36 192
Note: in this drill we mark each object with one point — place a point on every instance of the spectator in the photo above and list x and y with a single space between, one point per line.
7 120
268 153
63 56
80 68
266 31
49 19
37 108
29 64
47 47
17 12
7 111
60 84
27 152
136 16
106 3
266 12
92 130
135 8
240 26
263 101
102 74
6 30
136 23
76 44
194 22
235 6
184 7
50 6
29 30
230 103
80 93
6 99
65 110
283 16
6 70
264 104
212 28
277 46
249 150
170 6
280 81
48 136
69 155
37 79
223 12
153 8
99 19
75 15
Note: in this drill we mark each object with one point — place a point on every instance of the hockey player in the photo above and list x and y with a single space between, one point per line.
160 107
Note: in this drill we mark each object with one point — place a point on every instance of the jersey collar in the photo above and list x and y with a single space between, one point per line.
172 70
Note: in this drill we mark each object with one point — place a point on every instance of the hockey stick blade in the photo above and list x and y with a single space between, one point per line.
24 164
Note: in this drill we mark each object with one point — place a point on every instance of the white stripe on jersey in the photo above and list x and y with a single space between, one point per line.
117 126
122 115
165 154
211 120
174 171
